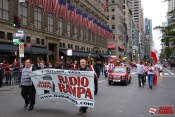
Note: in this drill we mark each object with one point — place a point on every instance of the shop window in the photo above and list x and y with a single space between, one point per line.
69 46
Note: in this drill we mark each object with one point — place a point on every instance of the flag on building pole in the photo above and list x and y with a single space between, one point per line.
104 5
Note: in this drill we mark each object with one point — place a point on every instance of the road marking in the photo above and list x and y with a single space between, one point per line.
133 73
170 71
166 74
101 81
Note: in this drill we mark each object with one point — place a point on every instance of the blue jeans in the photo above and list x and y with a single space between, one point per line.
150 79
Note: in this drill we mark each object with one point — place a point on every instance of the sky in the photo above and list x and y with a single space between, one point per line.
155 10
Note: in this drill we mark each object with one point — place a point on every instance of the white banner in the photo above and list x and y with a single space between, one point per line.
74 86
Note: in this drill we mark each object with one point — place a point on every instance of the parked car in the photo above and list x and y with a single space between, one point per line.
119 74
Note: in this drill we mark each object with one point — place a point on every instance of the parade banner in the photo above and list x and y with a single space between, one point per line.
75 86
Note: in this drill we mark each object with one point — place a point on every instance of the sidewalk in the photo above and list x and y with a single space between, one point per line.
8 88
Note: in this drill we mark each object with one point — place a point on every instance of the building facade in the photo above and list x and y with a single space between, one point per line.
115 17
49 34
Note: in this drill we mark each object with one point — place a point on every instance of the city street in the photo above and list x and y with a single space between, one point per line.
111 101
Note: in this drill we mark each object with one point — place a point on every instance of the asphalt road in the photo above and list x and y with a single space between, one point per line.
111 101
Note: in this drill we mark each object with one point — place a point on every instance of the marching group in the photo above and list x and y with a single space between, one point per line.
28 89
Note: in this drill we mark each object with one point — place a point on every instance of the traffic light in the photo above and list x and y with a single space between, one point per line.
17 22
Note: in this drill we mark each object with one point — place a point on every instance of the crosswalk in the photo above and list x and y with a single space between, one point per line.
161 74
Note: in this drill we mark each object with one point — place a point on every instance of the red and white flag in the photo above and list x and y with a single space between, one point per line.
154 54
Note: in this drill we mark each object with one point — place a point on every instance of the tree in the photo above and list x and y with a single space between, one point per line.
168 33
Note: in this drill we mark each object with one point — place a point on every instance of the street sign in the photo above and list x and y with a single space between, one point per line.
15 41
21 49
69 52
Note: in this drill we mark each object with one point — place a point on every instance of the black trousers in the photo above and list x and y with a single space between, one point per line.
140 79
96 85
28 94
0 80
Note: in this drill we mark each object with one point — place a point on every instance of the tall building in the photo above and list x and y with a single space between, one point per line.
148 26
137 13
128 22
51 36
114 14
171 5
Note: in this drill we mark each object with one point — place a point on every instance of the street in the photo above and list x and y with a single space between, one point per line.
111 101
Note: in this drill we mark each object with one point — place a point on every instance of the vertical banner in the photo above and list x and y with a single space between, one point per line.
21 49
75 86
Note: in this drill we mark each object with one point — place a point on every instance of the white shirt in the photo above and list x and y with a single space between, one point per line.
150 68
140 69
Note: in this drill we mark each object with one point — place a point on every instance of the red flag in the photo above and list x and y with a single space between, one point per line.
154 54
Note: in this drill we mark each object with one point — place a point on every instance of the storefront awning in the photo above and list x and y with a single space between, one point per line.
8 48
78 53
36 50
111 46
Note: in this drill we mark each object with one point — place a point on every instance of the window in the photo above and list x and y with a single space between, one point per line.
68 29
37 41
50 22
107 17
113 36
60 25
28 40
107 10
4 9
113 17
69 46
60 44
37 17
75 31
113 9
22 13
76 47
2 35
81 33
87 34
9 36
113 27
42 42
63 45
112 1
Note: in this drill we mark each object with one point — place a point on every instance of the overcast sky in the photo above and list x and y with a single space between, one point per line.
155 10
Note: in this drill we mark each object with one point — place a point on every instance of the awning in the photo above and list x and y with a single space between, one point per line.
111 46
36 50
105 56
78 53
8 48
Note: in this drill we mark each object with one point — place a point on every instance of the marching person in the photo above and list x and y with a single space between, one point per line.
1 74
96 77
150 71
83 67
140 71
155 73
28 89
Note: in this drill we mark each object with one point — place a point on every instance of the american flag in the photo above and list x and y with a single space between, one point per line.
90 22
57 8
68 12
85 20
105 5
63 9
47 5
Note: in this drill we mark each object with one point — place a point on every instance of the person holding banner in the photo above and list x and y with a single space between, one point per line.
28 89
97 75
83 67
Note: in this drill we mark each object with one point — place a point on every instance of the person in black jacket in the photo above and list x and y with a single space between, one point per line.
83 67
97 72
1 74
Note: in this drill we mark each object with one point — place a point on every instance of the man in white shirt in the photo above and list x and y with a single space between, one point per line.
140 71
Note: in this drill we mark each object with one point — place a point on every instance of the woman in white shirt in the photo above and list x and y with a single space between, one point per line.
150 71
